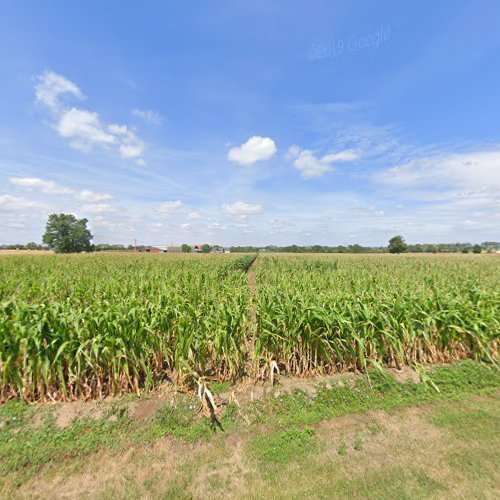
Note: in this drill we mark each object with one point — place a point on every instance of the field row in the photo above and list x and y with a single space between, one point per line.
94 325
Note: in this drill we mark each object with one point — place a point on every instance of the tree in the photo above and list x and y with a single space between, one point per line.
397 244
476 249
186 248
65 233
205 248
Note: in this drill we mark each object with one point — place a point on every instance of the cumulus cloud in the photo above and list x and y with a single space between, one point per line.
130 145
83 128
255 149
240 208
311 166
52 188
169 207
148 115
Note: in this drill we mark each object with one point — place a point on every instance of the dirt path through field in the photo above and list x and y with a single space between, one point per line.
252 328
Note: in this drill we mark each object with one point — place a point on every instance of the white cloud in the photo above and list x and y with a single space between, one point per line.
88 195
98 208
194 216
130 145
52 188
148 115
48 187
50 87
240 208
476 173
255 149
347 155
8 202
311 166
169 207
82 127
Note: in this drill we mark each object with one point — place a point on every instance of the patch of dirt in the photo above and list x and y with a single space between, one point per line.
146 409
405 374
252 282
246 392
243 393
66 413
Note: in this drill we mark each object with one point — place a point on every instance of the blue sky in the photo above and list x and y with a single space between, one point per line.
251 122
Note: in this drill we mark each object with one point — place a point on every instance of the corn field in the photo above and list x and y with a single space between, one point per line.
89 326
331 314
93 325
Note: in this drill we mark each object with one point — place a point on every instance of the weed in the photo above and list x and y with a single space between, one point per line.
280 448
342 448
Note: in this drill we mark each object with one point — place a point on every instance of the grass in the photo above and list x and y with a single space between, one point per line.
475 424
280 448
385 393
23 446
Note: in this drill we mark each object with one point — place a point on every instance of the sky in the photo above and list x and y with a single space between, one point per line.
262 122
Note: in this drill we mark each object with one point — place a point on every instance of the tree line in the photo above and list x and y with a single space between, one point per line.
64 233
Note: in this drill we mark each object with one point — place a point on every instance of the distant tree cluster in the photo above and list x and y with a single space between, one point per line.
65 233
396 244
29 246
309 249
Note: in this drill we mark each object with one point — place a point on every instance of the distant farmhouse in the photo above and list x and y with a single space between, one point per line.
163 249
178 249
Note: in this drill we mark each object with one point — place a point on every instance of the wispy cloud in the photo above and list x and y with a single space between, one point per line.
169 207
470 172
241 208
310 166
52 188
148 115
99 208
9 202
